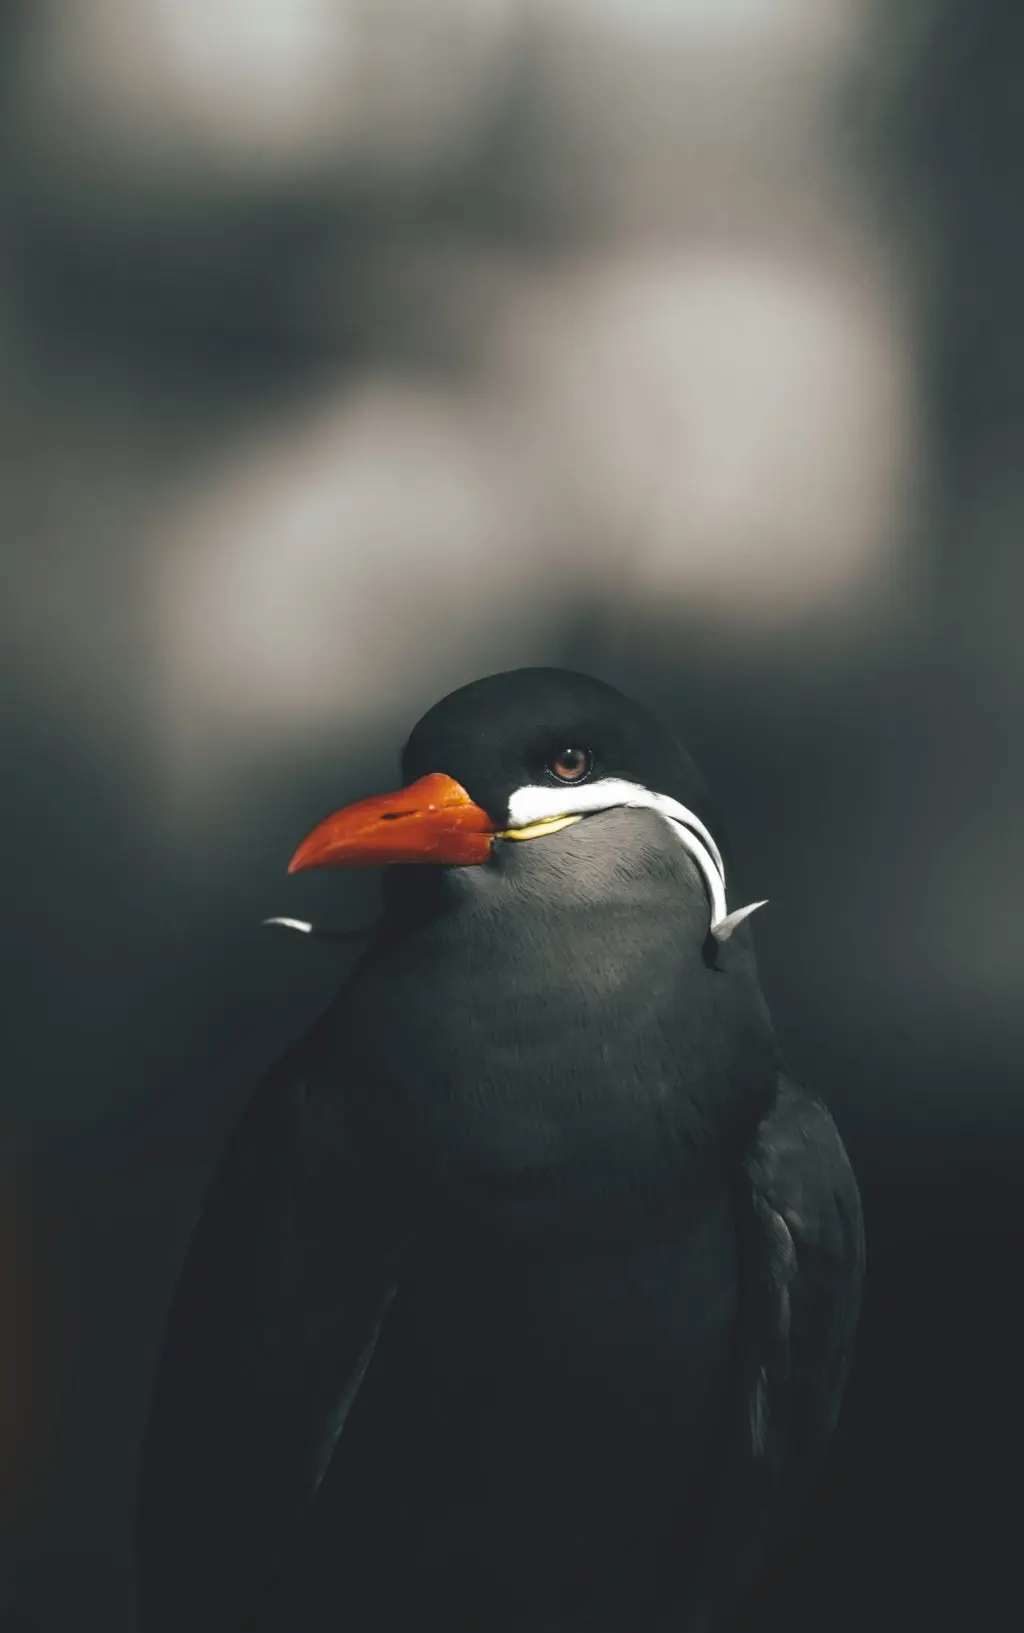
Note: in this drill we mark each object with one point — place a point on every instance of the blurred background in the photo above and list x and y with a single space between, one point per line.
351 349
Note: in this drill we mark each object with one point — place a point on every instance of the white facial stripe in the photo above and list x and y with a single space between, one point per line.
713 880
536 804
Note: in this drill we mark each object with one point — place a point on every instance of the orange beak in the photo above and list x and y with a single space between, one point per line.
433 820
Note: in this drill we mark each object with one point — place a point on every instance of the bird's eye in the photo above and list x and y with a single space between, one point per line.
571 764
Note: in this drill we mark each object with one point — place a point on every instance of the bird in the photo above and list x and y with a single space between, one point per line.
524 1298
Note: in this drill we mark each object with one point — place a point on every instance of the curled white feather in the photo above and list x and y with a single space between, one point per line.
534 804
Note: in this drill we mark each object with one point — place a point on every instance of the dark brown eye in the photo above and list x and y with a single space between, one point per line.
571 764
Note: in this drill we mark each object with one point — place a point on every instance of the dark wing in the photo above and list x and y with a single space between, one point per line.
272 1327
809 1242
801 1239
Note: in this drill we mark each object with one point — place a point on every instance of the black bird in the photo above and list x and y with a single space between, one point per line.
523 1300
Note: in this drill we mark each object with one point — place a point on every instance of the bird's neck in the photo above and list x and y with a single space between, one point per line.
578 1056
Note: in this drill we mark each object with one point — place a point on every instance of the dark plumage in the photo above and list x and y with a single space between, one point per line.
524 1297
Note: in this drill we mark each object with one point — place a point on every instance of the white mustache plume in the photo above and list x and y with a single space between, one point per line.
536 804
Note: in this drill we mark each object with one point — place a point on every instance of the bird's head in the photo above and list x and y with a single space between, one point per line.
518 758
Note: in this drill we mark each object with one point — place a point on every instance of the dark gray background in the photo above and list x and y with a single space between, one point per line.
350 352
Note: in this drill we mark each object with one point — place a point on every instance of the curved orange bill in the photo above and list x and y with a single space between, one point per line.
433 820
